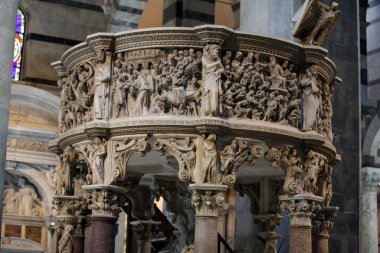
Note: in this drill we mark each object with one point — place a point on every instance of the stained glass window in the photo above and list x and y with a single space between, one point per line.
19 41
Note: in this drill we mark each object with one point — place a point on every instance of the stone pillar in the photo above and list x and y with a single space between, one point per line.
206 199
369 232
300 208
268 223
8 12
78 236
69 209
144 230
323 223
105 202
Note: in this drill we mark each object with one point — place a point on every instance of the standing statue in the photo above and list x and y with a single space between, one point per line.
314 21
65 244
101 82
209 162
310 99
212 84
58 179
28 203
144 90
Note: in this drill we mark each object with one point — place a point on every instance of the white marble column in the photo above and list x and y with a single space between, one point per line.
369 232
8 12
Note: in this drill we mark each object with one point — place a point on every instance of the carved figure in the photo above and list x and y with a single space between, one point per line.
28 204
310 99
101 82
143 88
314 21
65 244
227 157
212 89
313 165
58 179
325 23
187 147
293 171
209 160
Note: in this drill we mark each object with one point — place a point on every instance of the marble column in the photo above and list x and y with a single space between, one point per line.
144 230
300 208
8 12
323 223
206 199
78 236
369 232
105 201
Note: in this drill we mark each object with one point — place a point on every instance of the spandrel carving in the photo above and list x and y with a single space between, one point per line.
184 150
123 150
314 163
95 154
234 154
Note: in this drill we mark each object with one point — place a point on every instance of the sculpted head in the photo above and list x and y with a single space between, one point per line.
101 55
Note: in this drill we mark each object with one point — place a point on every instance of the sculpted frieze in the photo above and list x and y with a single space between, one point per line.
188 81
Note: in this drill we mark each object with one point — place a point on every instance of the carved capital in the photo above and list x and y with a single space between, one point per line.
145 229
268 222
105 200
207 198
300 208
212 34
370 178
69 205
323 220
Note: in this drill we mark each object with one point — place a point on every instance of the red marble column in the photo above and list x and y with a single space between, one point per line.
78 243
300 208
103 234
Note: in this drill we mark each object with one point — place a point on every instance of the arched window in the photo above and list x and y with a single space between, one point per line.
19 42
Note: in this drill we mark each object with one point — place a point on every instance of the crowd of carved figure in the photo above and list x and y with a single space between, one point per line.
192 82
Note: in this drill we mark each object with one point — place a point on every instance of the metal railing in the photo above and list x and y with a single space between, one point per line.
224 243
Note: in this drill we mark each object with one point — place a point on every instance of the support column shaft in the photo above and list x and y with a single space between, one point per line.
103 234
300 239
320 243
369 221
206 234
8 12
78 242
